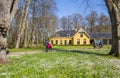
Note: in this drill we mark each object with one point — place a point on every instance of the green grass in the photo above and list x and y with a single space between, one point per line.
66 63
26 49
80 47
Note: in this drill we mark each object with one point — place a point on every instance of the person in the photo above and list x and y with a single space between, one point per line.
46 44
94 44
50 45
101 44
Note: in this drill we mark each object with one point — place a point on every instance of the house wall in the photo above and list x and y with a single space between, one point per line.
65 40
77 36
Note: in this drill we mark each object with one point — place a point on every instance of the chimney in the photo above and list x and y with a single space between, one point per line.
76 29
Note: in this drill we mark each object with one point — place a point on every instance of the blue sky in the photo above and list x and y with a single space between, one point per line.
68 7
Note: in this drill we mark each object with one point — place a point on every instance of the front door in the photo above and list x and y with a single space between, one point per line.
65 42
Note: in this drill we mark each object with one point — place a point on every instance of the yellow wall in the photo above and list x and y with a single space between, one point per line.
77 36
60 38
74 39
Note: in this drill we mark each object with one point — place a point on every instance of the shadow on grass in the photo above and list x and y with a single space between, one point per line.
82 52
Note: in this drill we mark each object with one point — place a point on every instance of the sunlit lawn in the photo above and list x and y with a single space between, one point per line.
80 47
83 63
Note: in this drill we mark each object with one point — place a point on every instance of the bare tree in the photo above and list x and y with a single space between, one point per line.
77 21
103 23
33 22
23 24
69 23
45 9
8 9
91 19
63 22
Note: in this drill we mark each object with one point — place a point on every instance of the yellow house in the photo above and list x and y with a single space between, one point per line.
71 37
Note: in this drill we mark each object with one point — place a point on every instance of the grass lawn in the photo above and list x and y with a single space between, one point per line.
73 63
80 47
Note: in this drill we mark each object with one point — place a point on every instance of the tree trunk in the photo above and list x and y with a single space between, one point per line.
8 9
33 24
20 27
26 34
114 10
24 22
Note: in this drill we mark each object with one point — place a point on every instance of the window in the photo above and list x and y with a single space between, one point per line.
84 41
65 42
56 41
52 41
81 34
70 41
61 42
78 41
57 35
68 35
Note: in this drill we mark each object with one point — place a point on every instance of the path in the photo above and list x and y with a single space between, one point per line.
24 53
